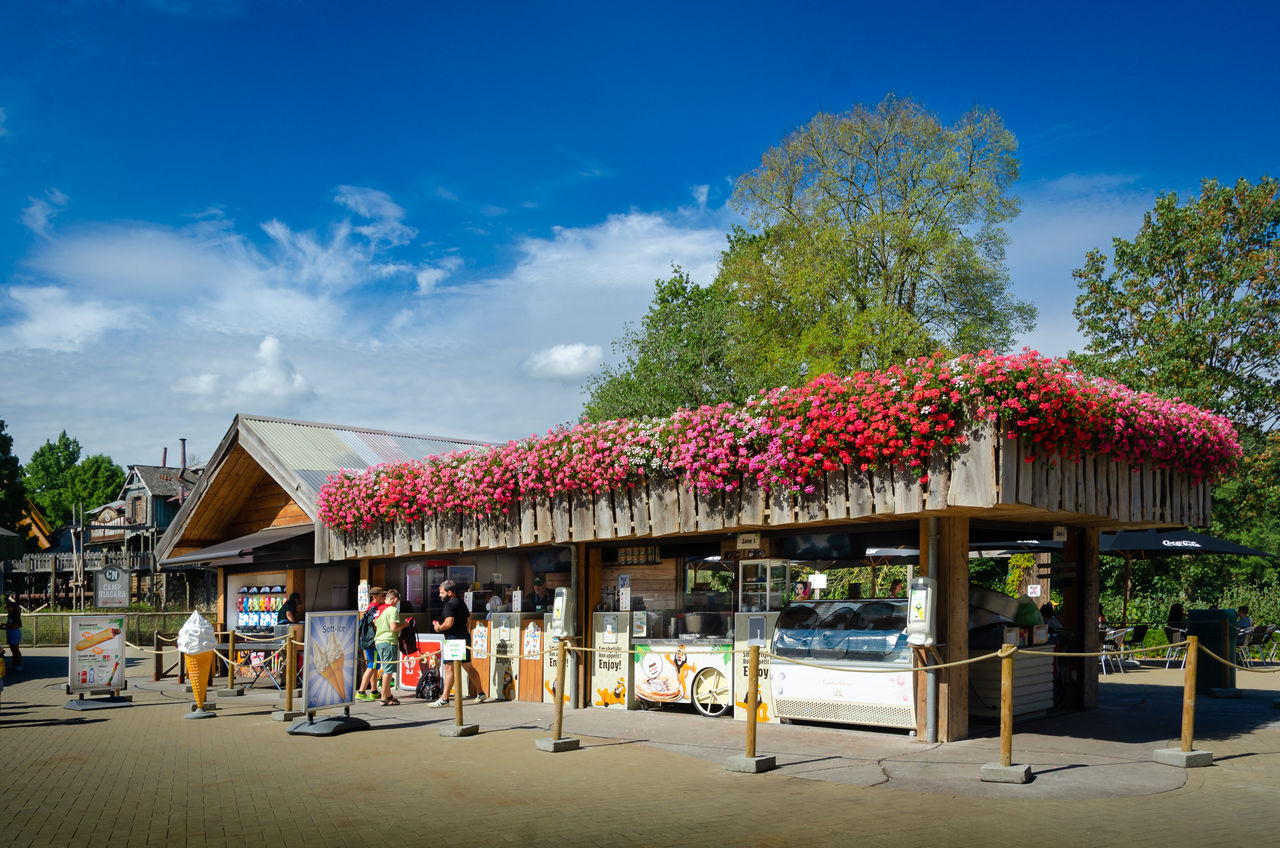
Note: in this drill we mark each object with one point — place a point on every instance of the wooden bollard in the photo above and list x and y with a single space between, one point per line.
1189 693
457 692
753 699
1006 710
231 659
290 660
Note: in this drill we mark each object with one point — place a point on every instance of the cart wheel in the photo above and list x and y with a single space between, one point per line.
710 692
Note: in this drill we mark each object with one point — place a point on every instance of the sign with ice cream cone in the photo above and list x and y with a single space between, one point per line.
329 668
96 653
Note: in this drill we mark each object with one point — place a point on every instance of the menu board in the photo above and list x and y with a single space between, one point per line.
95 658
329 678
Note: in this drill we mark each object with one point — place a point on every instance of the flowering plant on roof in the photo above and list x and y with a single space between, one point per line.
790 437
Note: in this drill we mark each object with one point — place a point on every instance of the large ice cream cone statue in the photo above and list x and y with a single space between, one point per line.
197 642
198 666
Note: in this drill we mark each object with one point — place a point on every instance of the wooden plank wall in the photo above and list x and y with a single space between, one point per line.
991 472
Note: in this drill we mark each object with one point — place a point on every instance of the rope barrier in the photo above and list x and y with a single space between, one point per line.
1205 650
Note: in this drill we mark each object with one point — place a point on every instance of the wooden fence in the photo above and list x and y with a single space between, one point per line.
991 475
49 629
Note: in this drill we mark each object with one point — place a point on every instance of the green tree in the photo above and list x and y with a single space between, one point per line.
878 237
1191 306
678 356
46 477
12 493
94 481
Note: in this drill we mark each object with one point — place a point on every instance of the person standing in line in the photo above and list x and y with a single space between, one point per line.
377 603
13 630
384 644
454 626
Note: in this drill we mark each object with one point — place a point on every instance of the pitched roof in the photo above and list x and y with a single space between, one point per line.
300 456
164 480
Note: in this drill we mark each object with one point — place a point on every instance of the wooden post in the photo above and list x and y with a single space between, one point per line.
457 692
231 659
557 730
1189 693
753 695
157 656
290 661
1006 710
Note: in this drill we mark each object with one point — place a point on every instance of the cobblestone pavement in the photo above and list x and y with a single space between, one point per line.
142 775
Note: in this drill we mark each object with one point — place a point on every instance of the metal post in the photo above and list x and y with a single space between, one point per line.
561 656
1189 693
457 692
1006 710
753 699
290 660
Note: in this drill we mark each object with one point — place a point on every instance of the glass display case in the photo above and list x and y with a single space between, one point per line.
763 584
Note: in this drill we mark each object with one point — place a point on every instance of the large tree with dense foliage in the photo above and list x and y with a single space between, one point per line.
57 481
1191 305
678 356
12 494
877 237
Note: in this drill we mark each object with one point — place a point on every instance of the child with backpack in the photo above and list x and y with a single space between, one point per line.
365 632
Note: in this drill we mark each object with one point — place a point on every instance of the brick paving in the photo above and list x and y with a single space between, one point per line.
144 776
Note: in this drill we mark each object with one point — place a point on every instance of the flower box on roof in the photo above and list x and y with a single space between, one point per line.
1020 434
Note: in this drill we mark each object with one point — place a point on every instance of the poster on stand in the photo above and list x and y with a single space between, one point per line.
329 669
95 653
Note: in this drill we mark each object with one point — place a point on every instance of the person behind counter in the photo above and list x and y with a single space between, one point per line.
454 626
289 613
539 600
896 588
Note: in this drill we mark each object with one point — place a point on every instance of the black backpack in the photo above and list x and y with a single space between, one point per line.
368 629
408 643
430 687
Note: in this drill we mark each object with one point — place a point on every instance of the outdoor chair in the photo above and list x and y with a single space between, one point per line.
1175 635
1136 637
1260 640
1112 644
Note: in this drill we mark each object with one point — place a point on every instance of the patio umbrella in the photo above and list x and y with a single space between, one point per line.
1149 544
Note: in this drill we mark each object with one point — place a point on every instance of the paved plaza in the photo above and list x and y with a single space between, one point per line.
142 775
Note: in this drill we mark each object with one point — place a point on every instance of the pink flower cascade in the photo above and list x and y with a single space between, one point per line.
790 437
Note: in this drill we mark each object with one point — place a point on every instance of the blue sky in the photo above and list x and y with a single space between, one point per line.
435 220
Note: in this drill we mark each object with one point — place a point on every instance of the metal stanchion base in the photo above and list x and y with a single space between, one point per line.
555 746
328 726
233 692
1183 759
455 730
287 715
996 773
99 703
750 765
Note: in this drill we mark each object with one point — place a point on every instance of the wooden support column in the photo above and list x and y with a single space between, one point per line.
952 625
1090 597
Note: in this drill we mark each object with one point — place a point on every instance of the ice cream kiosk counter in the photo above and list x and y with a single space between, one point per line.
861 646
506 637
693 667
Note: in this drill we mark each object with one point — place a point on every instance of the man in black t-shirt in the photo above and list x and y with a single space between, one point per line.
453 625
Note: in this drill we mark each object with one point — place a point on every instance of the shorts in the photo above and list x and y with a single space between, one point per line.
386 656
369 656
13 635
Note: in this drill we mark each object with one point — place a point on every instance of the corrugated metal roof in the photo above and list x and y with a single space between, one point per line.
314 451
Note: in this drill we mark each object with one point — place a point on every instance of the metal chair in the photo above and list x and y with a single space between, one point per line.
1244 645
1136 637
1112 644
1175 635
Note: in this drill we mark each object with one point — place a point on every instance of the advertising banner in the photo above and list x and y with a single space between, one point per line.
329 670
112 588
95 658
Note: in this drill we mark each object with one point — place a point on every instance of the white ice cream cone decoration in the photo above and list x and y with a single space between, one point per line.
197 643
198 666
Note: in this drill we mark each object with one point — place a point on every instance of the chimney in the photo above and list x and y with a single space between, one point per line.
164 456
184 456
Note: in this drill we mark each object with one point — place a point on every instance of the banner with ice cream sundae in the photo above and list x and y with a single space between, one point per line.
329 668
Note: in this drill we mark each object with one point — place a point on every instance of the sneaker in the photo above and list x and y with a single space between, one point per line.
481 698
365 696
443 702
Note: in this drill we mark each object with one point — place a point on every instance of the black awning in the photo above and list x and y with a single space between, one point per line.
242 549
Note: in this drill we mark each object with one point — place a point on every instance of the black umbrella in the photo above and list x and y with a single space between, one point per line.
1149 544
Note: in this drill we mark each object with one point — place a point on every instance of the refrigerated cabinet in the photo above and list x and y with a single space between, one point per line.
857 664
763 584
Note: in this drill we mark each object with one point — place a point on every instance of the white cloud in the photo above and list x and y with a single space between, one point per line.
274 386
430 276
52 319
700 194
388 217
38 216
564 362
